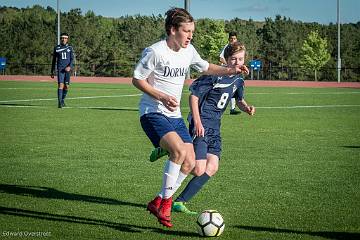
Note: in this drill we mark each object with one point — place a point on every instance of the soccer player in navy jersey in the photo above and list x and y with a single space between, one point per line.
160 75
208 100
63 56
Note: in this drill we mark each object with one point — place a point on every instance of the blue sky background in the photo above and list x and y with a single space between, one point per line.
321 11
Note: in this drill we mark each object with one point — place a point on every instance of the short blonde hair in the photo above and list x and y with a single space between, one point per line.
233 48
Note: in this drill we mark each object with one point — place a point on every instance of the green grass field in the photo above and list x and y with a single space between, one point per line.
290 172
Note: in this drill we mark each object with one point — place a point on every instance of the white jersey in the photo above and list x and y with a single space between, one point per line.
223 51
165 70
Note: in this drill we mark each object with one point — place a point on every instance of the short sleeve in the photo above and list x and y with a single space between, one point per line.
239 94
222 52
198 63
146 65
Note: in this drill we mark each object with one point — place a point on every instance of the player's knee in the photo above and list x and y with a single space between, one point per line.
178 155
212 169
187 166
198 171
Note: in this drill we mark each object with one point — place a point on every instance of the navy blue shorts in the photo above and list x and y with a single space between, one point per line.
64 77
211 143
156 125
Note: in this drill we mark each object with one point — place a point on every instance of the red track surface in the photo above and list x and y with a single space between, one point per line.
120 80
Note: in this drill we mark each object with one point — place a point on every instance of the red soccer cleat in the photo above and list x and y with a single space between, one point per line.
164 215
154 205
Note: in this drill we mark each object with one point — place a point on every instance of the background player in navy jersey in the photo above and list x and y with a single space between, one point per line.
63 55
160 75
232 39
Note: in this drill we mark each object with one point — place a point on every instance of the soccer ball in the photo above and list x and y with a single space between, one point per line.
210 223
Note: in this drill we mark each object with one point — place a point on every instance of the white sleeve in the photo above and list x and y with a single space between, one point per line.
198 63
222 52
146 65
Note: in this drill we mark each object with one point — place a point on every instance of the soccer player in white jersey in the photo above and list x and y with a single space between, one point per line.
160 75
232 39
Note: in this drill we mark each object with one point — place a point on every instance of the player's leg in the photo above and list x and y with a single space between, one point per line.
207 152
200 146
233 110
177 153
161 131
66 88
61 80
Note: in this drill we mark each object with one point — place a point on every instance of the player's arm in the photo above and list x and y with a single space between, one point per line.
222 71
169 102
245 107
194 107
71 63
53 63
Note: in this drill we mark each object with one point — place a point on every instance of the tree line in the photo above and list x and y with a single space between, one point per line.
107 46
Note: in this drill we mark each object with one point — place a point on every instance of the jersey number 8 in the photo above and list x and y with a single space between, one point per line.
223 99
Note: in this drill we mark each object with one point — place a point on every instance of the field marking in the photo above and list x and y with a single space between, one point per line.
304 106
294 93
51 99
50 89
184 108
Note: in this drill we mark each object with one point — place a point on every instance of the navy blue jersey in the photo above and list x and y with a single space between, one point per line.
63 55
214 93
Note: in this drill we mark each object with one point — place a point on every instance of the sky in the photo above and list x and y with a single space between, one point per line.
320 11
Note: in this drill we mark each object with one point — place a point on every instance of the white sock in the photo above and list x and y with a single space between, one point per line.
171 173
233 105
178 183
179 180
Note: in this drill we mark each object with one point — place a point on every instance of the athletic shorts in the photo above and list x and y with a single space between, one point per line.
64 77
211 143
156 125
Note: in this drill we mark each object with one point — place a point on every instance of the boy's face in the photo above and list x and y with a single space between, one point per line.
64 40
184 34
232 39
237 59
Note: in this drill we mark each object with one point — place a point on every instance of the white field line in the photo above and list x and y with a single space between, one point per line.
325 93
313 106
186 91
185 108
51 99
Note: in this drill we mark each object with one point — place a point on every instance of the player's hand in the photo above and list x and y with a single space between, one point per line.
67 69
199 129
169 102
250 110
52 75
242 69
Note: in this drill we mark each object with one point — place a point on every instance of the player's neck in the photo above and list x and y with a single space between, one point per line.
172 44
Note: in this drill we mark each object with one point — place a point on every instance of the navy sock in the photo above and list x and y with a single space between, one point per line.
192 188
60 94
65 91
